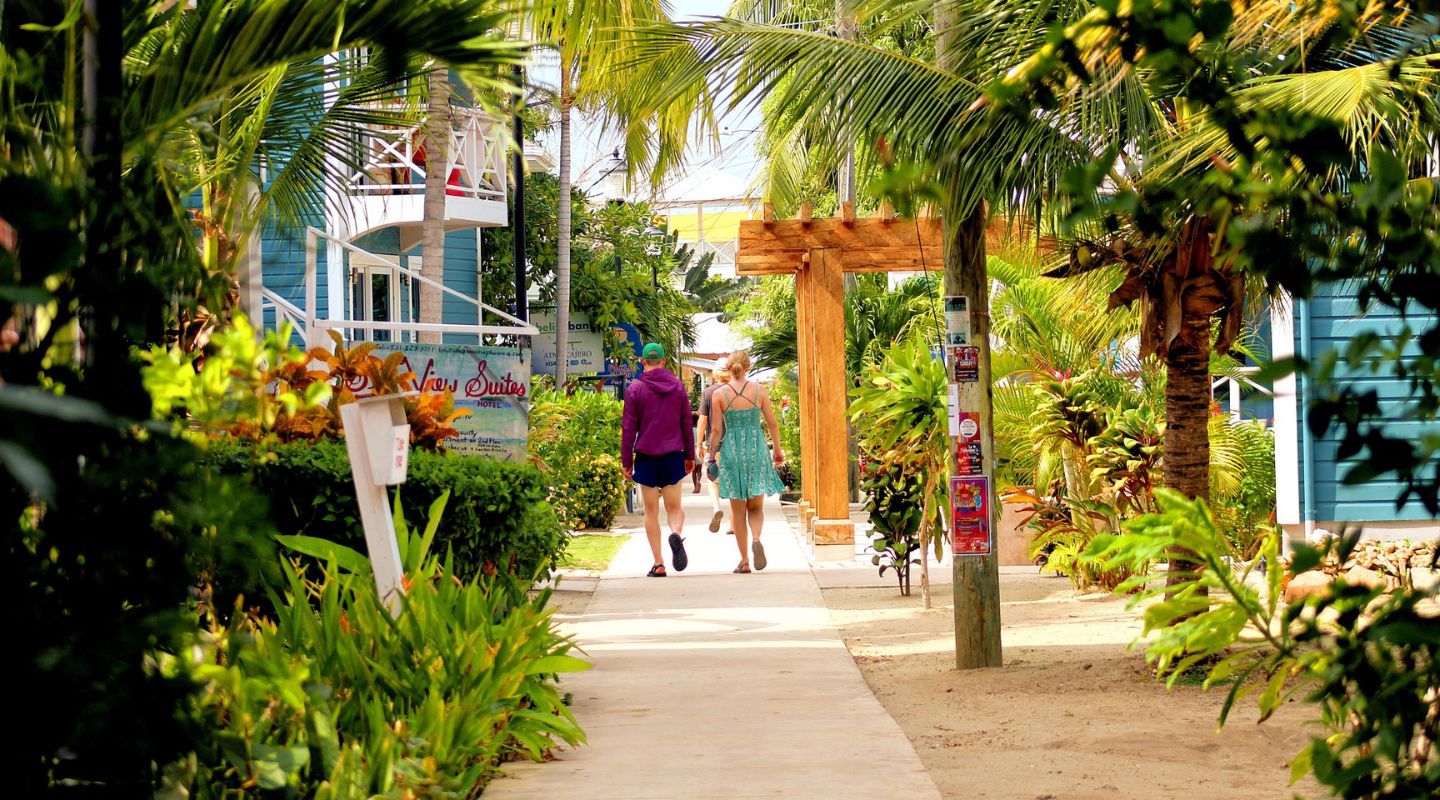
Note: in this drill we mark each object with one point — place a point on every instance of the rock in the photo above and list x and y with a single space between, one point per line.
1364 576
1306 584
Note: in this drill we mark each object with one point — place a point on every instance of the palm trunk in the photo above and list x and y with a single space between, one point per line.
562 247
437 162
1187 416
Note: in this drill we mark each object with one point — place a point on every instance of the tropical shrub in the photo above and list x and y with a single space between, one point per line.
1097 442
596 493
899 414
498 519
336 691
240 386
894 501
1367 657
568 434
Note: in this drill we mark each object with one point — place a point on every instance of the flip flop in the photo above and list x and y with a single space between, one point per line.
657 571
677 553
715 521
758 551
743 569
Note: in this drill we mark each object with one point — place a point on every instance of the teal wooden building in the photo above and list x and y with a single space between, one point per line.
356 270
1310 489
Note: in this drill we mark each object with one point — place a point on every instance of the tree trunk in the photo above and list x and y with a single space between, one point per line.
562 247
437 162
1187 419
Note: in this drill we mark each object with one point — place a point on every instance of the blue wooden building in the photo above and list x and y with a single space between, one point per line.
357 269
1310 489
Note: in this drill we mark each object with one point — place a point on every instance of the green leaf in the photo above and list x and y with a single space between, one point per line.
556 663
274 765
330 552
1305 559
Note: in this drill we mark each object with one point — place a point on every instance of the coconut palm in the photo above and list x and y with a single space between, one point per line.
1013 160
590 39
278 116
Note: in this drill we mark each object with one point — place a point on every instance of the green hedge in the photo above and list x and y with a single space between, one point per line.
497 516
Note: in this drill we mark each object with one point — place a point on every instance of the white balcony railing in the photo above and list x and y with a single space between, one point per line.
395 159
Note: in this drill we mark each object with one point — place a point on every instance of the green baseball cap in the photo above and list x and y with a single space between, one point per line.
653 352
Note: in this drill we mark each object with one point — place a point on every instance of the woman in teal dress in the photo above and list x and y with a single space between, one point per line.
746 464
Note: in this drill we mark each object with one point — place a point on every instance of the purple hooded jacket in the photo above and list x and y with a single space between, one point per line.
657 418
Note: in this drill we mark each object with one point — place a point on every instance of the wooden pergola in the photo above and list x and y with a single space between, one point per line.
818 252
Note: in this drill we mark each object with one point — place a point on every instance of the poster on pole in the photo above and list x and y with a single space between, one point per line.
957 320
965 364
584 348
492 382
970 515
969 452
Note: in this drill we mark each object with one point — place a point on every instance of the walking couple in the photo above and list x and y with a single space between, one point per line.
657 451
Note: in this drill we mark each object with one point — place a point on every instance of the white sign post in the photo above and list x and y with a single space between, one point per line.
378 439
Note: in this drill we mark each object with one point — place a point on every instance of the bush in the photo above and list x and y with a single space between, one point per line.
576 438
497 518
596 492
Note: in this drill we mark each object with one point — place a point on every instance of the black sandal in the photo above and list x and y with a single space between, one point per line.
743 569
657 571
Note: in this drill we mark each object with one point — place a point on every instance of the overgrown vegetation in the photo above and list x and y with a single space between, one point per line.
1366 656
575 438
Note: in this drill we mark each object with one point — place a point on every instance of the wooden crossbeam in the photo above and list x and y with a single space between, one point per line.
772 246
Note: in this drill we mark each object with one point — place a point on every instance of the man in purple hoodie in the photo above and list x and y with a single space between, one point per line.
657 451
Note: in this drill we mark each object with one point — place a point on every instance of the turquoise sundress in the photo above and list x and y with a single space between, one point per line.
746 469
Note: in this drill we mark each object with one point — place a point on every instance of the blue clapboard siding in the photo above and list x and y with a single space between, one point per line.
462 275
1335 318
282 258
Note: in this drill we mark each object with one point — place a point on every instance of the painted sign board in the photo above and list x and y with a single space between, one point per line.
493 382
585 346
622 370
970 516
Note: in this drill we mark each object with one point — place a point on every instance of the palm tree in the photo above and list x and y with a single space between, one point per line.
275 117
1013 160
590 39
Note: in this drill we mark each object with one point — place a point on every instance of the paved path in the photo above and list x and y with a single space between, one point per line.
713 685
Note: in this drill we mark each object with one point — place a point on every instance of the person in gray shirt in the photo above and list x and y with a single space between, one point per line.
718 376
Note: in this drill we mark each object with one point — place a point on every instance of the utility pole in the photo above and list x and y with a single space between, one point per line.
976 577
517 225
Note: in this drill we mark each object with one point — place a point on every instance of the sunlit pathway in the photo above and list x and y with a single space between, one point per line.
713 685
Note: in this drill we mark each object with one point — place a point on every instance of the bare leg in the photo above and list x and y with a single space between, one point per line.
714 494
715 504
742 539
755 514
651 497
674 514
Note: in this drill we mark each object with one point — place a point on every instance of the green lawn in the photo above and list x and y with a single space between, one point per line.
591 551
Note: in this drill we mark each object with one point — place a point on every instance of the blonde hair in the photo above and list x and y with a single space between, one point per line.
739 363
720 373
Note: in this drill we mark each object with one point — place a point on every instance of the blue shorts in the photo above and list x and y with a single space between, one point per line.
660 471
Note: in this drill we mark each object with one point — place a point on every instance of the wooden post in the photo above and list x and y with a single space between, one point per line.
834 532
805 362
976 578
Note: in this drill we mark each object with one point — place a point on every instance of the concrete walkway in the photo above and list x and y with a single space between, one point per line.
713 685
